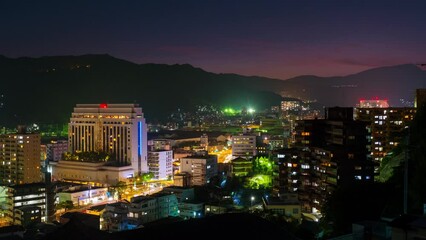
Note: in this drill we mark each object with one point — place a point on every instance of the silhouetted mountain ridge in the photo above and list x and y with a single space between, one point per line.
45 89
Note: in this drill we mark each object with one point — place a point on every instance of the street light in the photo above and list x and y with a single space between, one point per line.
252 199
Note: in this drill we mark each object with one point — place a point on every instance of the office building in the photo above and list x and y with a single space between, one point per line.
202 167
20 158
160 163
118 129
243 145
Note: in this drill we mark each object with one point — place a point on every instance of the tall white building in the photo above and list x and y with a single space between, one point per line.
243 146
160 163
200 167
119 129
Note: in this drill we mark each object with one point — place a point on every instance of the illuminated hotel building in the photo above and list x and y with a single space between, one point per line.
20 158
386 126
119 129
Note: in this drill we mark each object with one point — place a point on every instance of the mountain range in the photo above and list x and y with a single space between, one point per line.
45 89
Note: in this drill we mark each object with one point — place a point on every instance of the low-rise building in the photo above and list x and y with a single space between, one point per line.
182 179
286 205
142 209
13 198
93 173
202 168
83 196
241 167
182 193
191 209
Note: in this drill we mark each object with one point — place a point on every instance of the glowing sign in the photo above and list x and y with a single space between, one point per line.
103 105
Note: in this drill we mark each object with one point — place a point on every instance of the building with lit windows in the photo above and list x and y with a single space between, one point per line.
160 144
338 149
20 158
17 199
160 163
55 150
121 216
241 167
93 173
119 129
201 166
83 196
243 145
386 126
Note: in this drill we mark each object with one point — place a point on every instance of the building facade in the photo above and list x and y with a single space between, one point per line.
160 163
93 173
17 198
200 167
243 146
387 126
20 158
118 129
55 150
336 152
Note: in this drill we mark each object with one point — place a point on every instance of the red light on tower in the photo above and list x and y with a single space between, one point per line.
103 105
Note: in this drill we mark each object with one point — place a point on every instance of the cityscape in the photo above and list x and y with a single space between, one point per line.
213 119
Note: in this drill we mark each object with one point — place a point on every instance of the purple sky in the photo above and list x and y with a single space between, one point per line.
279 39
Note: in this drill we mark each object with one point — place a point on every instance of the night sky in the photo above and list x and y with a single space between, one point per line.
278 39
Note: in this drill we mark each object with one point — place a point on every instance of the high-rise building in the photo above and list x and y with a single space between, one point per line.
160 163
334 152
20 158
420 98
387 125
202 167
55 150
118 129
243 145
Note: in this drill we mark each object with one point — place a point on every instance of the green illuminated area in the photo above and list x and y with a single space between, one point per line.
230 112
259 181
262 173
263 165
